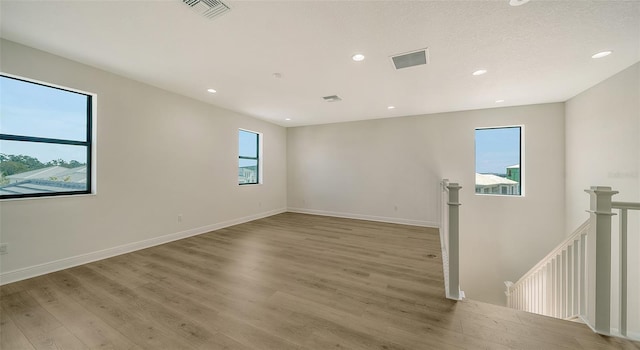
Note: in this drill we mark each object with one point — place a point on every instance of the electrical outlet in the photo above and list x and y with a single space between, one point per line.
4 248
179 218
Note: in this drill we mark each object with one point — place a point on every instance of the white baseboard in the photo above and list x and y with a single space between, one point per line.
630 335
366 217
615 332
57 265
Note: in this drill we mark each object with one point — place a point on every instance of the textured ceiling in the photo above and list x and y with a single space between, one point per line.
535 53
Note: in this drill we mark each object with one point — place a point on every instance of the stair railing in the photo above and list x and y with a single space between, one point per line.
624 208
556 285
574 280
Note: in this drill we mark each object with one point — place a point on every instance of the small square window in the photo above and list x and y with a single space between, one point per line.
499 161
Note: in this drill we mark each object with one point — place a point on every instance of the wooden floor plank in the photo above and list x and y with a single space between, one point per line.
289 281
11 337
139 328
86 326
40 327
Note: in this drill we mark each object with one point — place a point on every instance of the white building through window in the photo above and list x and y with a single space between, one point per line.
248 157
45 139
499 161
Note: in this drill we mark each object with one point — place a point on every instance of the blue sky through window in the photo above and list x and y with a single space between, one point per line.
248 147
248 143
28 109
496 149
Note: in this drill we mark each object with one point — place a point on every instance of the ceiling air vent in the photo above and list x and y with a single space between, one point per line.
411 59
332 98
208 8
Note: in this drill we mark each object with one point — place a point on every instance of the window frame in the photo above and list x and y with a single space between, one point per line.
257 158
88 143
521 159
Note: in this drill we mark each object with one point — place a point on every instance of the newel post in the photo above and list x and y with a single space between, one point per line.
508 293
599 259
454 242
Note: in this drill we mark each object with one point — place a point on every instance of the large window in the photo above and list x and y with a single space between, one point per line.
249 157
499 161
45 139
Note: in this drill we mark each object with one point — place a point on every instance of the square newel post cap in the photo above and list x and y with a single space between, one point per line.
601 190
453 185
454 189
600 201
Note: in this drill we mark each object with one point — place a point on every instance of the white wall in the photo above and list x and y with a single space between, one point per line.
603 142
603 149
368 169
158 155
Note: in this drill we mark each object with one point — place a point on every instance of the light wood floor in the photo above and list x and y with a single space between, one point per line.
289 281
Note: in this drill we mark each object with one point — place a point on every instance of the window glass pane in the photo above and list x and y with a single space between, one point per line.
248 171
31 168
248 144
498 161
29 109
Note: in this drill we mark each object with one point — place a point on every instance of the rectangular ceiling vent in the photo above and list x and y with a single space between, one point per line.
208 8
411 59
332 98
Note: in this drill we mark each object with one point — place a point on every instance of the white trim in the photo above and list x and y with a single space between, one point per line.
94 144
79 195
366 217
522 164
635 336
46 83
57 265
615 332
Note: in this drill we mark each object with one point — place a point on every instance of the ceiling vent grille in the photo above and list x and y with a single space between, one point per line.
411 59
208 8
332 98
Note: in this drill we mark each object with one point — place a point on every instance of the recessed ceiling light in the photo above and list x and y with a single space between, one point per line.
499 101
357 57
211 91
518 2
287 119
602 54
480 72
391 107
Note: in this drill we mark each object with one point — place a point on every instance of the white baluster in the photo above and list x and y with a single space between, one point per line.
554 311
623 272
547 290
569 278
558 283
576 278
563 283
583 276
